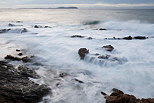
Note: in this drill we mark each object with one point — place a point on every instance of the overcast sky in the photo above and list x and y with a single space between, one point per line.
78 3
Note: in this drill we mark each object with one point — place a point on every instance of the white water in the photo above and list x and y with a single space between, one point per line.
59 53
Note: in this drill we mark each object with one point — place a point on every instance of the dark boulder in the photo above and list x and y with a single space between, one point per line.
11 24
128 38
24 59
104 56
4 30
140 37
108 47
117 96
89 38
16 87
102 29
83 52
77 36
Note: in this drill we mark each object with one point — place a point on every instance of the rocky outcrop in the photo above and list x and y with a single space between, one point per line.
17 30
77 36
83 52
117 96
4 30
108 47
99 58
24 59
11 25
128 38
16 87
39 26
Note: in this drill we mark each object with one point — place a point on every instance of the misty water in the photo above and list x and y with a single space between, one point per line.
59 53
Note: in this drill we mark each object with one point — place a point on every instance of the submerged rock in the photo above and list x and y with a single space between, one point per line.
11 25
128 38
4 30
39 26
16 87
77 36
108 47
117 96
83 52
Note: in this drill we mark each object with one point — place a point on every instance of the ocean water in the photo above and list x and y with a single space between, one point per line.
59 53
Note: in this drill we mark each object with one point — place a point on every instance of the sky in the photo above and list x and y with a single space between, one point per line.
78 3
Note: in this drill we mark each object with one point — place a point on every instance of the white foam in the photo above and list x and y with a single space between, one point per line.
59 53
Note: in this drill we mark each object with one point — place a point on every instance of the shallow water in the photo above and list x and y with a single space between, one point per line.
59 52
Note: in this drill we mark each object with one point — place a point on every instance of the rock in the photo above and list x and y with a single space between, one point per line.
102 29
119 97
20 54
104 57
63 74
83 52
39 26
24 30
24 59
10 57
27 72
77 36
11 24
128 38
89 38
108 48
18 50
116 92
4 30
36 26
78 80
16 87
140 37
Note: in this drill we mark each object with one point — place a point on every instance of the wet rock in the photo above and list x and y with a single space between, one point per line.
63 74
15 86
24 30
39 26
18 50
102 29
140 37
77 36
20 54
108 47
104 56
83 52
89 38
24 59
119 97
128 38
4 30
10 57
116 92
78 80
11 25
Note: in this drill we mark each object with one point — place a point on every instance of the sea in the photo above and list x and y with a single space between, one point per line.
130 68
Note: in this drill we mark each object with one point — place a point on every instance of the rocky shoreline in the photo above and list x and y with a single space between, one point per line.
16 85
118 96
